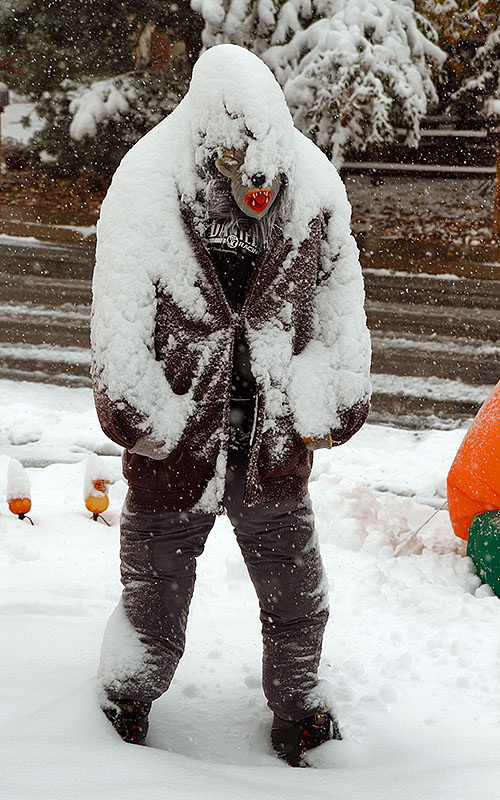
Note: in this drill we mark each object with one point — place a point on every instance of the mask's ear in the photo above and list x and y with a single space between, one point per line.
229 163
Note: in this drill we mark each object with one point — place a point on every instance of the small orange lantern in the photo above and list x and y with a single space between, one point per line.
20 506
96 483
18 490
98 503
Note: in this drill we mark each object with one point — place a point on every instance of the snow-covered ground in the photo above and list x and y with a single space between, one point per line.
456 209
412 650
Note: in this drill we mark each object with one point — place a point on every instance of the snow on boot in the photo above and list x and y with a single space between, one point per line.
291 739
130 719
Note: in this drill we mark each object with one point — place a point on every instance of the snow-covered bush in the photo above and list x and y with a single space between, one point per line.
67 52
352 78
98 103
92 124
352 70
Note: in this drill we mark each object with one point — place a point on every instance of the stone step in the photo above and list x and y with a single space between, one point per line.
453 322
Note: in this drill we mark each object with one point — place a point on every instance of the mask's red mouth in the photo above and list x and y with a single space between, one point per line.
259 199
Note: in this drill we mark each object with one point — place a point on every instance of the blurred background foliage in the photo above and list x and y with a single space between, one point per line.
102 74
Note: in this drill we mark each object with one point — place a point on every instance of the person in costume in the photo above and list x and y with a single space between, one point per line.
229 342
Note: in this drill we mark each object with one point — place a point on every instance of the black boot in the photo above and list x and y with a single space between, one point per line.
291 739
130 719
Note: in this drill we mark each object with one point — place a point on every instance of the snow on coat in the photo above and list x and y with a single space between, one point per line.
305 324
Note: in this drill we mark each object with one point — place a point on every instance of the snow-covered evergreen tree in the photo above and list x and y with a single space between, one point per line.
92 123
352 70
355 76
255 25
68 54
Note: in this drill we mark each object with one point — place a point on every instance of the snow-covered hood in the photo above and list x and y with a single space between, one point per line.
234 102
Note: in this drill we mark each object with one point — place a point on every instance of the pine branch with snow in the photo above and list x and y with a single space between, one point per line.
356 75
352 70
248 24
92 123
92 105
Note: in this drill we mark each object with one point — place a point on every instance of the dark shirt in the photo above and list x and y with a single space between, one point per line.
234 270
234 256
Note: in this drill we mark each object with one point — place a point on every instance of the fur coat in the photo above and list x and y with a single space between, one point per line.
162 329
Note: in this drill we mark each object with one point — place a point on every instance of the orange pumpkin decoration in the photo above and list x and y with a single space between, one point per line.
20 506
96 504
18 490
474 476
99 502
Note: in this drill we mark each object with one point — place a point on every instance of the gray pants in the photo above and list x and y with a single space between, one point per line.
158 567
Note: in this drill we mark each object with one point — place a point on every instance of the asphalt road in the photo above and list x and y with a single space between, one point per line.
435 337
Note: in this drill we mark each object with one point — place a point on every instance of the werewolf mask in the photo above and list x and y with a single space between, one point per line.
255 202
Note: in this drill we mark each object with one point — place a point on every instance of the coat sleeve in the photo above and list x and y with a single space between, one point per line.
119 421
133 396
124 373
330 377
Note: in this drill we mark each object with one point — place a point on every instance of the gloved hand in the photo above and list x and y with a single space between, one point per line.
351 420
148 447
317 444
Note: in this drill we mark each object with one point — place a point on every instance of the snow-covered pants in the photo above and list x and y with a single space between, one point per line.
145 637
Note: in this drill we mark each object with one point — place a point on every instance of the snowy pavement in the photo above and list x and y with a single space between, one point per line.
412 650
